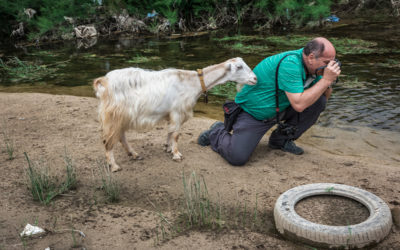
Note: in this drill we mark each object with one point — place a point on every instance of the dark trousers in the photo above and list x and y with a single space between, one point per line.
237 147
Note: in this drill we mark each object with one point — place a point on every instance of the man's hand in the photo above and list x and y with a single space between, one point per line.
331 72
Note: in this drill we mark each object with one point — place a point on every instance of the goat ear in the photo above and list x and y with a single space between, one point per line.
229 67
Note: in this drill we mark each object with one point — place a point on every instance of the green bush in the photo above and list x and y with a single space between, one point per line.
50 14
297 12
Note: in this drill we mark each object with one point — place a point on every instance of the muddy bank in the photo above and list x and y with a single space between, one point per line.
45 125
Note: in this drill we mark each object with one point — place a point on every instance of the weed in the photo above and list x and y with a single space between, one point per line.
225 90
23 71
110 185
255 212
71 181
74 241
153 27
143 59
198 211
45 187
9 144
240 38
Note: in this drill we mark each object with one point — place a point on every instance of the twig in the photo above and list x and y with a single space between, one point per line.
69 230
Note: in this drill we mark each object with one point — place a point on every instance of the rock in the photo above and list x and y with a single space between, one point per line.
125 22
86 43
70 20
85 31
30 12
18 32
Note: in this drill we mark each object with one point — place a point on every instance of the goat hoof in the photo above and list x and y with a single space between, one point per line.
137 158
177 157
115 168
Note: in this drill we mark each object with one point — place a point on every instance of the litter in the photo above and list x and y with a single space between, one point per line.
332 18
31 230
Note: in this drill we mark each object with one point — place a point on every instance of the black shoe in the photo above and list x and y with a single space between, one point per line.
204 137
289 146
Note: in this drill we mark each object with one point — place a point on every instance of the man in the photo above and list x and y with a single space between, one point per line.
304 79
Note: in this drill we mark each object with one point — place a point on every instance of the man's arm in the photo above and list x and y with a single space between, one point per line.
301 101
328 93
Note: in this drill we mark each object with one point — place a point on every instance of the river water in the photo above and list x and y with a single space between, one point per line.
367 94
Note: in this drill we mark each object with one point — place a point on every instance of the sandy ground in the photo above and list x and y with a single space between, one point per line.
45 125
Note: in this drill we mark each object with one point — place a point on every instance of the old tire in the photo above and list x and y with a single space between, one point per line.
371 231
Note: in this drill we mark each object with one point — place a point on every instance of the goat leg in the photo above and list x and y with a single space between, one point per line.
129 150
111 161
167 146
177 156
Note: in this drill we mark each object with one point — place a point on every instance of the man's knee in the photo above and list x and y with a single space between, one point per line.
238 159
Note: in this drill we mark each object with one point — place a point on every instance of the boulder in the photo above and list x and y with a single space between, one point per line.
85 31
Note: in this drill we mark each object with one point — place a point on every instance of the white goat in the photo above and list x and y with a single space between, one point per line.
139 99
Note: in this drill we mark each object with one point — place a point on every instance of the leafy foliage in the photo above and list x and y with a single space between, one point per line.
49 19
50 14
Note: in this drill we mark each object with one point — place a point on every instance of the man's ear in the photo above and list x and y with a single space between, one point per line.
310 58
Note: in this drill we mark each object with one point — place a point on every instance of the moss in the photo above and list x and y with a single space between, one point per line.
143 59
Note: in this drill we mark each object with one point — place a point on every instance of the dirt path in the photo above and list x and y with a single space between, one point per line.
45 125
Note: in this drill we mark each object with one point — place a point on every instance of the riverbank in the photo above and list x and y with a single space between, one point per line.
45 125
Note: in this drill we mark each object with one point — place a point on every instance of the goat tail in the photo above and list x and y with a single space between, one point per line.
100 85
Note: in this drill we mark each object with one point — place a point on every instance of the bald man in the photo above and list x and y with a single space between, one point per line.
304 79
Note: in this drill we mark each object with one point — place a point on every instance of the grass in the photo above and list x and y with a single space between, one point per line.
240 38
109 184
227 90
45 187
9 145
246 49
245 44
199 211
142 59
19 70
241 43
388 63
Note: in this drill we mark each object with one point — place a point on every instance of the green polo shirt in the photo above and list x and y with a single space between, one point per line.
259 100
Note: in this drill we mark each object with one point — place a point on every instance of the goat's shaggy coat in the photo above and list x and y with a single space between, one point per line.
139 99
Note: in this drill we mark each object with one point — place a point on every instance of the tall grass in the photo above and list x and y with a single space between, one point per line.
109 184
9 144
19 70
198 211
45 187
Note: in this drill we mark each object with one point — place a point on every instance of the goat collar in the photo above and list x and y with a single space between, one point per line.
203 85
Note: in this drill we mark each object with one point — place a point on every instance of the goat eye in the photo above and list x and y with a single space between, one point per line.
239 67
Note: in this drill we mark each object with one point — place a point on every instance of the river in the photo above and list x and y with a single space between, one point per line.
366 95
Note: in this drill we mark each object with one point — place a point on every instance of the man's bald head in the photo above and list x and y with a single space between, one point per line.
319 46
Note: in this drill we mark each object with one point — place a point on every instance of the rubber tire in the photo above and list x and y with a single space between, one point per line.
370 231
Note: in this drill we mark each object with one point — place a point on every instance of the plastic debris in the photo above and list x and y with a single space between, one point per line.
152 14
332 18
31 230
